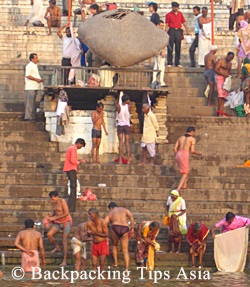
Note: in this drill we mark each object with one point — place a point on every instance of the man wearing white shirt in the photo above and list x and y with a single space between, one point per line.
33 83
70 43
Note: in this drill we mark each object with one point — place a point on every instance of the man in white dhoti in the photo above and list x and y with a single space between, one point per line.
36 15
159 61
204 36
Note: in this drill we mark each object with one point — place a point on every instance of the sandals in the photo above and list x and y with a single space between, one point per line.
219 113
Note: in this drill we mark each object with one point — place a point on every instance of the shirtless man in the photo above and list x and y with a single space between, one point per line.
223 69
57 220
78 244
182 149
209 74
53 15
98 122
85 5
120 230
28 241
97 227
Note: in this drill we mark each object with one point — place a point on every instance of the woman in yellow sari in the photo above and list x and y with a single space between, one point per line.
146 233
176 211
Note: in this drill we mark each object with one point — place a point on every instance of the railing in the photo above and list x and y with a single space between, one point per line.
136 78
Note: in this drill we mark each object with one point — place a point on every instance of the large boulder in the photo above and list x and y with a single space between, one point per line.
122 38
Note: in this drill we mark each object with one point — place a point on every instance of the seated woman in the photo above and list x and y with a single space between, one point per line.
176 211
196 238
146 233
245 85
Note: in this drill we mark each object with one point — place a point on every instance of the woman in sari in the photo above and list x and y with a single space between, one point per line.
196 238
245 72
146 233
176 212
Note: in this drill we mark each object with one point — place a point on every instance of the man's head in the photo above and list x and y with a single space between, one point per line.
54 196
34 58
230 217
93 213
67 32
197 226
145 108
174 194
94 8
112 205
52 3
190 130
80 143
99 107
161 25
125 99
230 56
196 10
175 6
214 49
29 223
152 7
204 11
154 226
247 15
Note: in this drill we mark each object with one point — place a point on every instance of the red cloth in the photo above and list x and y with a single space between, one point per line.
192 236
71 161
64 220
182 159
101 248
174 20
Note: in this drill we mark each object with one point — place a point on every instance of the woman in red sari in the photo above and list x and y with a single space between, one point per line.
197 237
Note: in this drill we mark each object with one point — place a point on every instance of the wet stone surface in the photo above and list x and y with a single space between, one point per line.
119 277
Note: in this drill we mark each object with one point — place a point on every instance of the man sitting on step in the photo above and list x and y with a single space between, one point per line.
59 219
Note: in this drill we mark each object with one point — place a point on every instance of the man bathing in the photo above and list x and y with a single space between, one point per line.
120 230
97 227
57 220
28 241
182 149
78 244
98 122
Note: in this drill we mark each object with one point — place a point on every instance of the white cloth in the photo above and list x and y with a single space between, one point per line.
124 116
37 13
32 70
150 127
230 250
106 77
77 246
150 148
61 107
204 42
234 99
159 64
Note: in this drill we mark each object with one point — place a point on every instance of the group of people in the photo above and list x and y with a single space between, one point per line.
122 228
53 13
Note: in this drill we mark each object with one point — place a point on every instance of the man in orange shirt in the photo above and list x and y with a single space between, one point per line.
70 167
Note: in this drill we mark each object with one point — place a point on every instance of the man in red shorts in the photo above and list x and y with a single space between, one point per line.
99 231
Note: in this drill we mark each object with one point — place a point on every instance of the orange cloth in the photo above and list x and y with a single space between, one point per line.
30 261
64 220
71 161
182 159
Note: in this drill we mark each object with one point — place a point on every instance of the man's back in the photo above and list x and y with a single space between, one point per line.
185 142
209 61
118 216
30 239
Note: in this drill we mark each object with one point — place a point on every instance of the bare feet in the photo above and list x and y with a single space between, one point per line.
211 104
49 33
184 187
63 264
57 248
171 251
